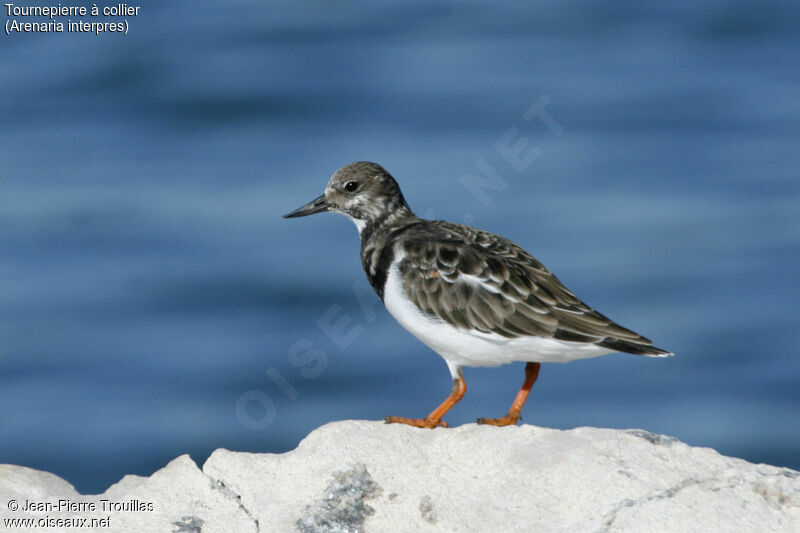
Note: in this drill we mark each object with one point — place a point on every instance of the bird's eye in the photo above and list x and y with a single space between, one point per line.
351 186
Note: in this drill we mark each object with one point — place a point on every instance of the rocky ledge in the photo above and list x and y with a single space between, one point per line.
368 476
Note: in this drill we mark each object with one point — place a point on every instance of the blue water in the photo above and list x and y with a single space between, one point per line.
155 303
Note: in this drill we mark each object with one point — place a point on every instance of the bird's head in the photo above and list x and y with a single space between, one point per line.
364 192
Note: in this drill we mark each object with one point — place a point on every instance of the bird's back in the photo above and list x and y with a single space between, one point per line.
475 280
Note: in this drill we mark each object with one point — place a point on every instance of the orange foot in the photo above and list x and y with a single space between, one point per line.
531 373
416 422
435 418
509 420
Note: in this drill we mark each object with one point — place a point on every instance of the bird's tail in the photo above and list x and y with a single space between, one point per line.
619 345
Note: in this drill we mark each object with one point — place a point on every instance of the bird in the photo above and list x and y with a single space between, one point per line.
473 297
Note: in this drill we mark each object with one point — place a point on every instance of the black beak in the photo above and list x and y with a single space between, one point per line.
317 205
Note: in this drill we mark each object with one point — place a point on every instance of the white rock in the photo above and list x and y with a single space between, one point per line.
367 476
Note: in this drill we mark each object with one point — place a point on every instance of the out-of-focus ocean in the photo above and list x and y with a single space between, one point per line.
153 302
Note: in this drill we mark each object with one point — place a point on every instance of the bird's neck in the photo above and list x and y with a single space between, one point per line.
377 251
385 223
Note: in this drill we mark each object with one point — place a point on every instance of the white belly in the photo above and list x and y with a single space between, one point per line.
461 347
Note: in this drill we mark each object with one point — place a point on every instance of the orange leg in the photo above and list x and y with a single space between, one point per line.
435 418
531 373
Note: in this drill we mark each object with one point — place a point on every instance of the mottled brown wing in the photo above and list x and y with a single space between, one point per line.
473 279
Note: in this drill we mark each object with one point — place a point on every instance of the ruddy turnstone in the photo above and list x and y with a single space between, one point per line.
473 297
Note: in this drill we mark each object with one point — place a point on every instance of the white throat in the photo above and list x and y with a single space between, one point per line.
360 224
